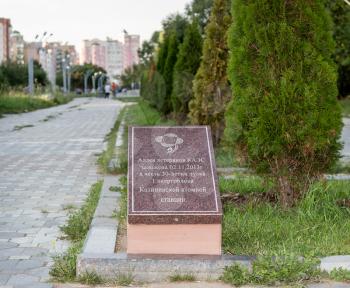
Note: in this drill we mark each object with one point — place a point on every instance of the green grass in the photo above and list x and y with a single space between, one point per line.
19 102
123 200
79 222
242 184
288 269
340 168
143 114
122 279
225 157
317 226
341 275
182 278
108 154
345 104
90 278
64 267
128 99
20 127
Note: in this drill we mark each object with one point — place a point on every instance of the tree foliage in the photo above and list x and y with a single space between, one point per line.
200 10
284 117
187 63
14 75
77 76
210 88
161 79
340 12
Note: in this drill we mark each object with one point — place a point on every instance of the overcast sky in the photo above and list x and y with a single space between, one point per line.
75 20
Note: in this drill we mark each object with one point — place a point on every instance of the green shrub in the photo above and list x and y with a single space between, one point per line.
284 117
210 87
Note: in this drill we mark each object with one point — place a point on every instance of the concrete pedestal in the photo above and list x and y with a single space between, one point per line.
180 239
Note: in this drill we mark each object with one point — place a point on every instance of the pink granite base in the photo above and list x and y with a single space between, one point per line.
181 239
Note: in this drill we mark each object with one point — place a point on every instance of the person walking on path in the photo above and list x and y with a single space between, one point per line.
107 90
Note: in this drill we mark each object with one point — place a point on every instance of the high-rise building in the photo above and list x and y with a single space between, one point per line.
107 54
98 53
114 57
5 31
131 47
31 50
17 47
48 60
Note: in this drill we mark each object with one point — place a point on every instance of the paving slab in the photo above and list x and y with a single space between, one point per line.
43 169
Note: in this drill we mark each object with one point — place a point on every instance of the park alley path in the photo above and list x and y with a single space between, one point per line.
47 164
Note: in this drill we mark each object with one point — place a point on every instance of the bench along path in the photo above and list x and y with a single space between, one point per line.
47 164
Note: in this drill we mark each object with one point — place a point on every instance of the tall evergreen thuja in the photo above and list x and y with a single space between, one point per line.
162 54
340 12
187 63
168 72
284 115
210 88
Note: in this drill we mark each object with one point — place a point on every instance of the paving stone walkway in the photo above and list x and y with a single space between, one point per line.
346 140
47 165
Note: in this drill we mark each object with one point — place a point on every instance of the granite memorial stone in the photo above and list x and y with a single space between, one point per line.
173 198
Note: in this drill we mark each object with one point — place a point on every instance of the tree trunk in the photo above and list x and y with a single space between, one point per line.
286 192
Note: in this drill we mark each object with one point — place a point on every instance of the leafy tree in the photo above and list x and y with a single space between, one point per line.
175 22
16 75
77 76
284 117
130 76
187 63
340 13
40 76
146 52
200 10
210 88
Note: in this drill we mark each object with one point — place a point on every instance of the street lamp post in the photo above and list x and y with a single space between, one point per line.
94 82
31 64
31 75
69 76
64 70
100 82
95 77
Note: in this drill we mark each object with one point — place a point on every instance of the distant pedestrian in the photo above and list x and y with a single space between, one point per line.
114 88
107 90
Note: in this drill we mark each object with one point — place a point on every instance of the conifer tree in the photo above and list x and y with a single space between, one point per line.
340 12
210 88
187 63
170 62
284 116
